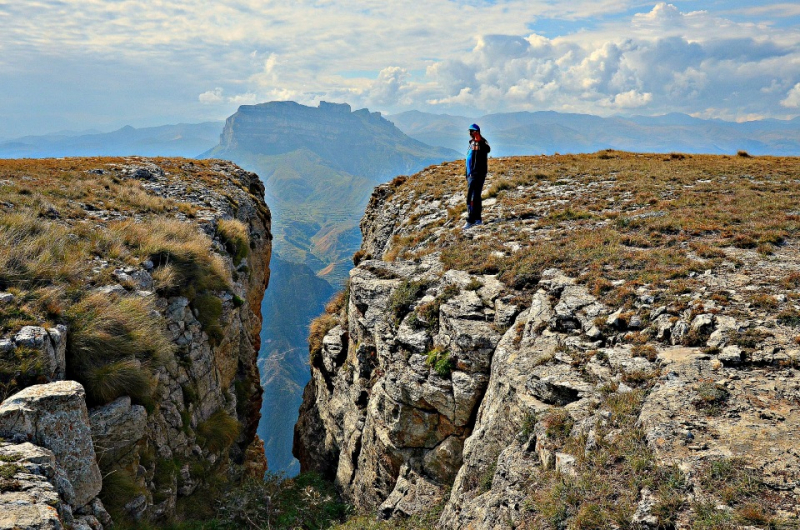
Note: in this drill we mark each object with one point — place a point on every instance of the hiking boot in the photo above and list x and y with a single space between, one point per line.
468 225
478 222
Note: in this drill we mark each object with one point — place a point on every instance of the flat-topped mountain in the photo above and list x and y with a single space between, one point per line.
359 142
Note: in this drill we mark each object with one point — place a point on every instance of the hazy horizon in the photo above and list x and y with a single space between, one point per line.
70 65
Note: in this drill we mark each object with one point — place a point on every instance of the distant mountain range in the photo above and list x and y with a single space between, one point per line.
319 166
521 133
183 139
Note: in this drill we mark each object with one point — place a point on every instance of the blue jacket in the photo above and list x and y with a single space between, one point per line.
477 157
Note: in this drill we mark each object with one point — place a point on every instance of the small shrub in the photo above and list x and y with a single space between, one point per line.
234 235
638 377
695 337
165 473
743 154
789 317
557 423
487 477
500 185
710 397
218 432
745 241
165 279
305 501
750 338
209 312
403 297
19 368
764 301
791 281
8 470
360 256
427 315
339 300
648 351
473 285
119 488
528 423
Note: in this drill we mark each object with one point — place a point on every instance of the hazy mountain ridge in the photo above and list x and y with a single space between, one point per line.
548 132
183 139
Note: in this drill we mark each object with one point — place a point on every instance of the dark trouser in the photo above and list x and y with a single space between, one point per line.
474 190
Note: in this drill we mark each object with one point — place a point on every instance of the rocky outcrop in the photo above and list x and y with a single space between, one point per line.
49 469
55 417
483 394
201 419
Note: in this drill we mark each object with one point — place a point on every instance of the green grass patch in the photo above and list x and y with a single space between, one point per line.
119 487
441 362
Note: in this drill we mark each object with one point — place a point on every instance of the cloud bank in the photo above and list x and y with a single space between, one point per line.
95 62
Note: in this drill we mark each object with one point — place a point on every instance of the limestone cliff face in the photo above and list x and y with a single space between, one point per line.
201 419
470 390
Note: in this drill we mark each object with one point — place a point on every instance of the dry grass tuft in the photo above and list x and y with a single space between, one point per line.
235 237
113 342
182 246
219 431
319 327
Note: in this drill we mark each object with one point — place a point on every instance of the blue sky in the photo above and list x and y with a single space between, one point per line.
101 64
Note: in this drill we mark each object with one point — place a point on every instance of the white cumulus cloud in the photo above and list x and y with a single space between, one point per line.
792 97
210 97
448 55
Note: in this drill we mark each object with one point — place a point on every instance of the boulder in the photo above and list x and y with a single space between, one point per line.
54 416
412 494
118 427
52 345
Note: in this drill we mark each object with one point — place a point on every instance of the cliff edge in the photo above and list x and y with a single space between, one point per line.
617 346
130 296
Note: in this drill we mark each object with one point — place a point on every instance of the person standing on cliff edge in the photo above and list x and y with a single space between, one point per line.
477 167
